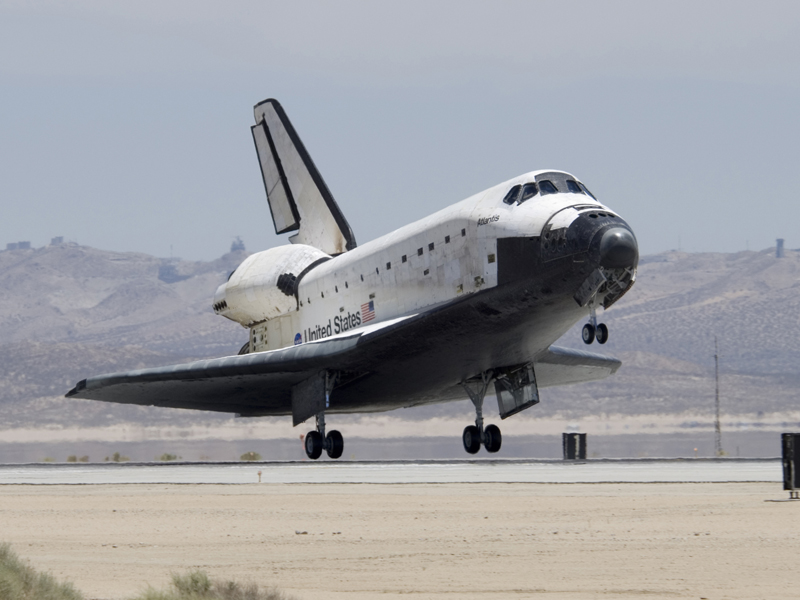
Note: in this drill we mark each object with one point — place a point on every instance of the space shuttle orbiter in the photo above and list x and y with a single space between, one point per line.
466 301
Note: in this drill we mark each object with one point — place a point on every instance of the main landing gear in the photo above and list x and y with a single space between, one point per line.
317 441
475 435
592 330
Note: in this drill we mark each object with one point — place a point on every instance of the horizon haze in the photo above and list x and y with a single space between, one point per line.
126 126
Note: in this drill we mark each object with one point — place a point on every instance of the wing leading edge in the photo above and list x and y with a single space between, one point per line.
238 384
250 384
261 383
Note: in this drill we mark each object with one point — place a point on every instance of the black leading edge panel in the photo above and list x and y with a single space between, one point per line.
516 258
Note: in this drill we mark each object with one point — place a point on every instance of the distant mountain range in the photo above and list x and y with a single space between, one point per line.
69 311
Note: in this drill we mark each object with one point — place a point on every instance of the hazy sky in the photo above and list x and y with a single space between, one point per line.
125 125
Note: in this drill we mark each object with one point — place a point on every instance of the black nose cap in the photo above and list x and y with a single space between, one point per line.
618 248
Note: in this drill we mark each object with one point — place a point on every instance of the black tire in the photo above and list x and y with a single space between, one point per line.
472 439
313 445
588 333
602 333
493 438
335 445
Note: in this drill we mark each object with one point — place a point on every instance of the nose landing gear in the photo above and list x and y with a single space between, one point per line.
592 330
475 435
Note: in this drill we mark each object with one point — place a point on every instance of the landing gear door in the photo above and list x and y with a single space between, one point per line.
516 390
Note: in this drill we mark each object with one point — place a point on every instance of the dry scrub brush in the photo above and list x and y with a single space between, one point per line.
19 581
197 586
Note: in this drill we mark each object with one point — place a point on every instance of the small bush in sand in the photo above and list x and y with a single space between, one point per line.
117 457
166 457
19 581
196 585
250 456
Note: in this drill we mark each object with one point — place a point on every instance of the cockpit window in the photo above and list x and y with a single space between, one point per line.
572 187
528 192
586 190
512 194
546 187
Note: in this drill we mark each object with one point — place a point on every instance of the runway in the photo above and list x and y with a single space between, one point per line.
461 471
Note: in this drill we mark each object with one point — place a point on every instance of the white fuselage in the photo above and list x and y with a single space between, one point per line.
432 261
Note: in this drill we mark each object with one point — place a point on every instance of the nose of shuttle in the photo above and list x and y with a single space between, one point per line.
618 248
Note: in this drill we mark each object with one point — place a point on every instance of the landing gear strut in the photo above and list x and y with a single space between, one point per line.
317 441
592 330
475 435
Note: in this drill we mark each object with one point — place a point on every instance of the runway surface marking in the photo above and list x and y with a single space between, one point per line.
645 471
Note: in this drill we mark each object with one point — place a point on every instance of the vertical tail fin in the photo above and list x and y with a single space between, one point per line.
298 197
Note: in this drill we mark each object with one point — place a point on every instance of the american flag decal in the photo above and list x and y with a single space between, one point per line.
368 311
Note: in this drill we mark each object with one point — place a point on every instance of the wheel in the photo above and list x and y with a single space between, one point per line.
588 333
493 439
313 445
335 444
472 439
602 333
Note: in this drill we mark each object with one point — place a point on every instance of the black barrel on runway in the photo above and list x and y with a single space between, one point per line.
574 446
790 445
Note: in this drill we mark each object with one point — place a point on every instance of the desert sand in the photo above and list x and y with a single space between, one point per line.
428 541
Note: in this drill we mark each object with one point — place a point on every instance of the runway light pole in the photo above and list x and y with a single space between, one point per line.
717 429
